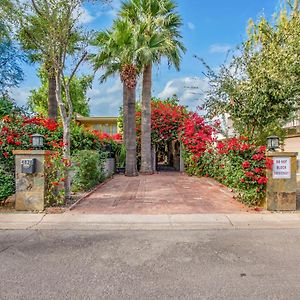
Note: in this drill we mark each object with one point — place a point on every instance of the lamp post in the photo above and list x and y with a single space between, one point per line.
37 141
272 143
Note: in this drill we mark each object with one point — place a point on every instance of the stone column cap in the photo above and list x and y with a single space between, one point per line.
280 154
31 152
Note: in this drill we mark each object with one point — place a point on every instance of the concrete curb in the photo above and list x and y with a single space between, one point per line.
70 221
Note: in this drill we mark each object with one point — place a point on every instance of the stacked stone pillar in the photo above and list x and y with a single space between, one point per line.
282 181
30 187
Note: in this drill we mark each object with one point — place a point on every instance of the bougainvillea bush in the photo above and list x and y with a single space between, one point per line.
167 117
15 133
237 164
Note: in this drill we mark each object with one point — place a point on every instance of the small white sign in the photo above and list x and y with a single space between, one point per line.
281 167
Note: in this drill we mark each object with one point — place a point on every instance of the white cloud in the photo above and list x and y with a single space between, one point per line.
219 48
191 26
106 98
84 16
190 90
20 95
115 88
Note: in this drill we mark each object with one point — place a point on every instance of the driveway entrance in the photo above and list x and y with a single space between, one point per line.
163 193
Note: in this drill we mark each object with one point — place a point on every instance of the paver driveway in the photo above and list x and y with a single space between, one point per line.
163 193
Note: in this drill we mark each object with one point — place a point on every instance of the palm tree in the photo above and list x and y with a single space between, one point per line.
158 36
117 48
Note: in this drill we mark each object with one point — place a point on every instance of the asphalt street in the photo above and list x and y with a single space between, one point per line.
156 264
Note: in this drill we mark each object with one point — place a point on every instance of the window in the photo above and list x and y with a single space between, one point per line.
114 129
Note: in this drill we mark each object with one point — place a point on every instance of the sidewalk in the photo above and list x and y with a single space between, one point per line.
148 222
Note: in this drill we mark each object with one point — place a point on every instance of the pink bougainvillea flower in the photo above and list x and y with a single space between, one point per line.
262 180
257 170
259 156
262 149
246 164
269 163
249 174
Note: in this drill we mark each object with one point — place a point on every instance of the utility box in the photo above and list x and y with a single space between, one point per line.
30 179
282 181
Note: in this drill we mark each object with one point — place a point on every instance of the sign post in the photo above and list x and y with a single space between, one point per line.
282 183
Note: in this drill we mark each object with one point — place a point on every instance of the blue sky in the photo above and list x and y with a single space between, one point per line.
210 29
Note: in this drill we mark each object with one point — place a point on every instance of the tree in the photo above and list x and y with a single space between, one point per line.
260 88
38 100
29 34
11 58
11 73
156 26
117 53
5 29
58 20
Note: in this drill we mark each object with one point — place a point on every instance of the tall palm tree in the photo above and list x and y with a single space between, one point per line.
117 49
158 35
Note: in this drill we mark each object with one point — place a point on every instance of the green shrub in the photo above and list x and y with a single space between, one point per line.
88 167
7 185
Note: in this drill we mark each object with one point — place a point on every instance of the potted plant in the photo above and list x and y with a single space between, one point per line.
120 159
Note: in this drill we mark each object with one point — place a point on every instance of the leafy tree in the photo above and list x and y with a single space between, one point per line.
32 36
157 33
5 7
117 54
260 88
11 73
38 100
58 26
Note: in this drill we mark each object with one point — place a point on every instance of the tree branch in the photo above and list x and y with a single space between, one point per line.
84 55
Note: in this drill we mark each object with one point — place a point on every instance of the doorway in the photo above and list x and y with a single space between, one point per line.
168 156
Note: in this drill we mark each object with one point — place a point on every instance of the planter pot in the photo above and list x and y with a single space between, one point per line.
109 167
120 170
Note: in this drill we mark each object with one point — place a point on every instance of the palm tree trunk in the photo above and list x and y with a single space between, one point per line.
131 167
125 113
52 102
146 159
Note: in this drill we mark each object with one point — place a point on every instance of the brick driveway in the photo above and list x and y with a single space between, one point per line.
163 193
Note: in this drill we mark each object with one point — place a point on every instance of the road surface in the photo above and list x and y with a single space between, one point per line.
158 264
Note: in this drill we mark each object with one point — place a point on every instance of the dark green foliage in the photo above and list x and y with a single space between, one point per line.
6 106
7 185
88 170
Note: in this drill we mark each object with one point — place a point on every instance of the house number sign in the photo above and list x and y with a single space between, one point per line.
281 167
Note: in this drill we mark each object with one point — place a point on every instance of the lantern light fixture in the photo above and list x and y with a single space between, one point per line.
272 143
37 141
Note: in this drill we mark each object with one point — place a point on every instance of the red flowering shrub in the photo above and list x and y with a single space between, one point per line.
15 133
235 163
196 134
167 117
102 136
